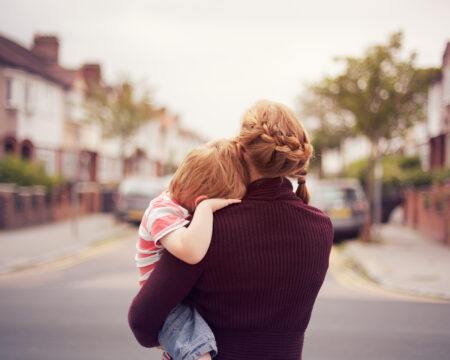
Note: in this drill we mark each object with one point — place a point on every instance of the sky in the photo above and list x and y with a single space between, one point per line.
209 60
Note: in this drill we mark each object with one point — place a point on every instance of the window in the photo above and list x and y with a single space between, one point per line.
9 145
27 95
48 158
9 92
70 165
27 150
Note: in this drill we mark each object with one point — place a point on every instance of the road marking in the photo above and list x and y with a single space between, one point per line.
99 248
343 273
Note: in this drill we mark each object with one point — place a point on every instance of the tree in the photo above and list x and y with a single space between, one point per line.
381 94
119 112
329 126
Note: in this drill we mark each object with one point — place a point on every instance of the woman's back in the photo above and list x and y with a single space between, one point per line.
265 266
268 256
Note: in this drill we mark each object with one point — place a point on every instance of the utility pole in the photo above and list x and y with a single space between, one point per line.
378 193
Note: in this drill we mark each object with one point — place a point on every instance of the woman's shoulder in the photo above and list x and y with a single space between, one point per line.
254 209
313 214
308 207
251 221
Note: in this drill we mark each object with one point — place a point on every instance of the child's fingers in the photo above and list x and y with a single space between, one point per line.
217 204
228 202
233 201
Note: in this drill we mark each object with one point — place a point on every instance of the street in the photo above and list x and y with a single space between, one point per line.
77 309
329 119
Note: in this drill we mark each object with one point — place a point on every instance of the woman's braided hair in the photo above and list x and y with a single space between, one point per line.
276 143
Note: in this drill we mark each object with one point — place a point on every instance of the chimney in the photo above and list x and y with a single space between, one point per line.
46 47
92 74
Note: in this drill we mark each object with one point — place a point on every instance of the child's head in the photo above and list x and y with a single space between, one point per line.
215 170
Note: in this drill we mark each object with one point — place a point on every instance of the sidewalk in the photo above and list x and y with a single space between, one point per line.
402 260
39 244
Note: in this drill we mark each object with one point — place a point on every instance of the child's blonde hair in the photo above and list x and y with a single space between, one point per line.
215 170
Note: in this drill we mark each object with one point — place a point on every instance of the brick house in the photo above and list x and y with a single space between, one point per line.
42 119
428 209
161 145
32 101
438 119
41 113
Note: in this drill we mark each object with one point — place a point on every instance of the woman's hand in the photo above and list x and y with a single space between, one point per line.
217 204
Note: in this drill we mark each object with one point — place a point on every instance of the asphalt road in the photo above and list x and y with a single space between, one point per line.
76 309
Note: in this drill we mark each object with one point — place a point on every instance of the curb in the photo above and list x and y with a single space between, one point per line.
358 268
64 253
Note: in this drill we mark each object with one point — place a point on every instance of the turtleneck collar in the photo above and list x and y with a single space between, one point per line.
278 188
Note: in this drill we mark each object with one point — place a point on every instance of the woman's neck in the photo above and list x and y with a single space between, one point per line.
253 173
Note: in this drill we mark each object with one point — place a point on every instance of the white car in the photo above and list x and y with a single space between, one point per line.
134 195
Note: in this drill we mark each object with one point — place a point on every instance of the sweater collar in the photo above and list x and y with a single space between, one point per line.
278 188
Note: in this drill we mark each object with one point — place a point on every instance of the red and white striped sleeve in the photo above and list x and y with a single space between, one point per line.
162 216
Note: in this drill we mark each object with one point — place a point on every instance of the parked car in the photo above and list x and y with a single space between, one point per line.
135 193
344 201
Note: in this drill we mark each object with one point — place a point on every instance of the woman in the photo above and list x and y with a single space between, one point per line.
268 256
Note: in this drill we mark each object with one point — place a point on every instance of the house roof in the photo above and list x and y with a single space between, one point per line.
15 55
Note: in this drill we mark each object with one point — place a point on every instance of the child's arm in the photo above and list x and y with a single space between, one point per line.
191 244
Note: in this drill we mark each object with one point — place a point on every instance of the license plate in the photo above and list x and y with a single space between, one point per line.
341 213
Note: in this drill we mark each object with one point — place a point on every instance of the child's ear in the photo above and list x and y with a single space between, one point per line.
199 199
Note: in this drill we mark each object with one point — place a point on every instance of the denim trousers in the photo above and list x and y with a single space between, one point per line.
185 335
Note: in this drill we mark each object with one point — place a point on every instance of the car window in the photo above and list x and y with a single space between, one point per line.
334 195
325 196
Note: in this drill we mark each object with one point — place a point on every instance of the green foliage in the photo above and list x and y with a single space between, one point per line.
417 178
119 111
399 171
378 95
357 169
442 176
382 92
409 162
24 173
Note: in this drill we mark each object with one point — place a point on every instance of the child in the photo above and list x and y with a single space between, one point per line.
209 179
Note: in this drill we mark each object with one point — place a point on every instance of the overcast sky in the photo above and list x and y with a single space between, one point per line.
208 60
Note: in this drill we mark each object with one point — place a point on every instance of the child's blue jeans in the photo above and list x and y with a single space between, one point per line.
185 335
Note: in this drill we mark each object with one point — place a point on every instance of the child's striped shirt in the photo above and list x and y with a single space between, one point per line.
162 216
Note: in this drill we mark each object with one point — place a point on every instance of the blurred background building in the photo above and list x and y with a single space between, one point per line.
438 120
43 121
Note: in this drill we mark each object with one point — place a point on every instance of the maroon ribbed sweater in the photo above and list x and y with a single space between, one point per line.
257 285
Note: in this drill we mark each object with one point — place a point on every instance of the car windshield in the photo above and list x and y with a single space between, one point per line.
328 195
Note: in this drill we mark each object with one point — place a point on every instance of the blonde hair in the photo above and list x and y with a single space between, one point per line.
214 170
276 143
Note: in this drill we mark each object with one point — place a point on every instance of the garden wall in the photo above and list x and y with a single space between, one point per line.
428 211
31 205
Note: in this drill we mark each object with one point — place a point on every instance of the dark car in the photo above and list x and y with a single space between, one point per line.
345 203
343 200
135 194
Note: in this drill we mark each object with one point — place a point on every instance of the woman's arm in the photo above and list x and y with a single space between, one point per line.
191 244
168 285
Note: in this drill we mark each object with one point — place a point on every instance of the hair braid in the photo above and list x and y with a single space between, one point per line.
276 143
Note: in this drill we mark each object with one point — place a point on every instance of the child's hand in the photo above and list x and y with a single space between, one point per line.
217 204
